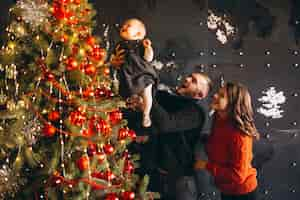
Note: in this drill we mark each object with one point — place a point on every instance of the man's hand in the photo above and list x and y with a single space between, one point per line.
147 43
200 164
117 59
135 102
142 139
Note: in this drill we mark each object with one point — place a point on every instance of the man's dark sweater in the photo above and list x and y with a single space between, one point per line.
178 122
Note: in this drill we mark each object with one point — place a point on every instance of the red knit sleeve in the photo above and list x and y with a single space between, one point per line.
240 154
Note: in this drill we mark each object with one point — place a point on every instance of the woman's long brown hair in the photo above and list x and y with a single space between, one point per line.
240 108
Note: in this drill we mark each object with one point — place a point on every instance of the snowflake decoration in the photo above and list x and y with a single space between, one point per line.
221 36
271 103
31 130
34 12
159 65
171 64
223 28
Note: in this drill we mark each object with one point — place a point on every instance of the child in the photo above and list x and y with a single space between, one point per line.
136 75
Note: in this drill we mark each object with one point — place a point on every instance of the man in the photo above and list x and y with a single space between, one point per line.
178 122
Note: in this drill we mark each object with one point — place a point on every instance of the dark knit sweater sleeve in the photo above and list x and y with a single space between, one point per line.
189 117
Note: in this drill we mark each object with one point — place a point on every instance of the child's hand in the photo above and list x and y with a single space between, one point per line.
147 43
200 164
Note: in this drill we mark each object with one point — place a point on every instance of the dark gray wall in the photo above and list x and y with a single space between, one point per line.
179 33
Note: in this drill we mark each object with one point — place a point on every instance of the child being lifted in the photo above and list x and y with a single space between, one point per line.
135 73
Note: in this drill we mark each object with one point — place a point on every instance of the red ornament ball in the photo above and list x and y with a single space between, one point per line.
111 196
106 71
92 149
103 127
128 195
115 117
56 179
64 38
98 53
58 12
123 133
49 130
90 69
109 93
108 149
128 168
68 14
83 163
126 154
77 118
91 40
96 174
108 175
100 92
132 134
71 63
53 115
49 76
88 93
87 132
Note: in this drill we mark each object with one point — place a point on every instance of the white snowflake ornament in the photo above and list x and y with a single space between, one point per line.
271 103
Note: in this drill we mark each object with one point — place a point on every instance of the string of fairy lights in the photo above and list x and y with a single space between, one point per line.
36 14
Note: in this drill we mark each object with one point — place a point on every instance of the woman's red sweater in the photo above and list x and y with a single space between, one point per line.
230 155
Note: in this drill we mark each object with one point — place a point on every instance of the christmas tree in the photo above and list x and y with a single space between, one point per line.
62 133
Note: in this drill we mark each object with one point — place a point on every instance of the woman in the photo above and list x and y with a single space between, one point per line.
229 146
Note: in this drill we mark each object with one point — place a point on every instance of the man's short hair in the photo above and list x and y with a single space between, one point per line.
208 80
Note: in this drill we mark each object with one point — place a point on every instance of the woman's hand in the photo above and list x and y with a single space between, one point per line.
200 164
